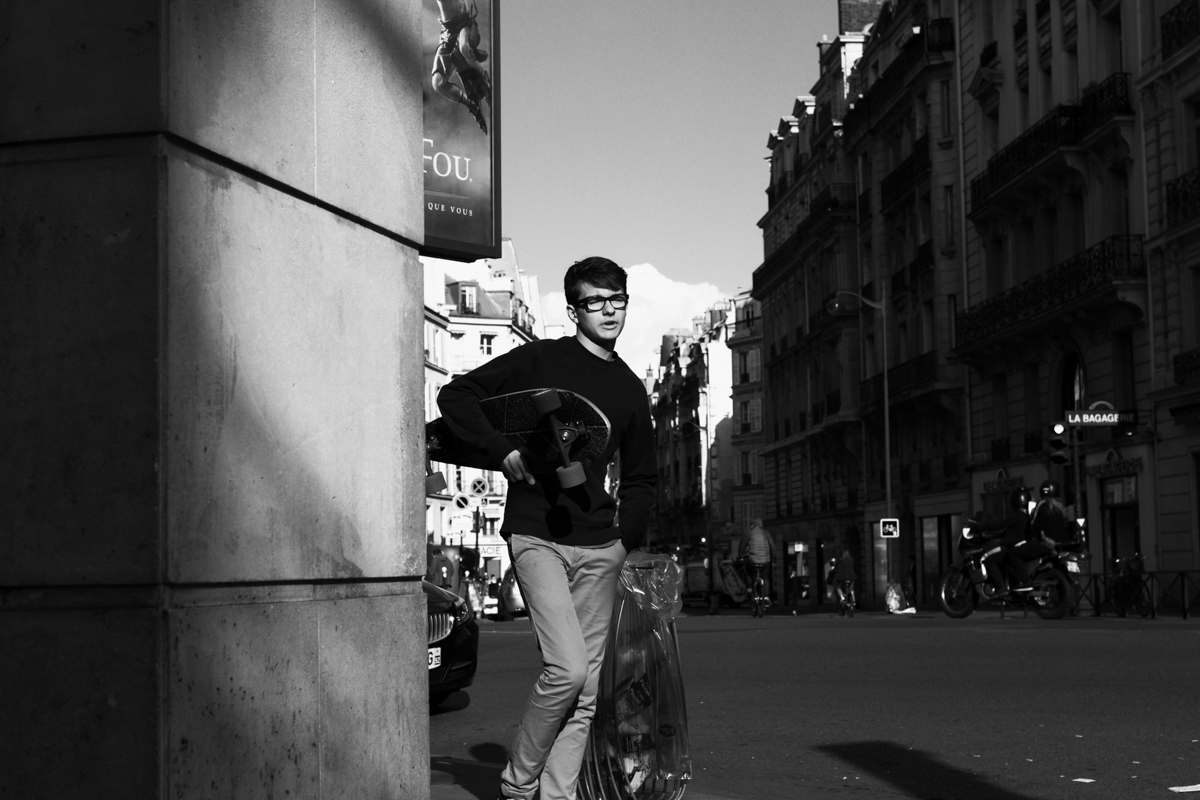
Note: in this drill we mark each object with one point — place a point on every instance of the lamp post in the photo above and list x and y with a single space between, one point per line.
881 306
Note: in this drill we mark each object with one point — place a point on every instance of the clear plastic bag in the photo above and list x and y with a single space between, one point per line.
638 746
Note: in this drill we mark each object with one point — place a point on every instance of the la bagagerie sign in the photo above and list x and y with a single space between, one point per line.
1099 418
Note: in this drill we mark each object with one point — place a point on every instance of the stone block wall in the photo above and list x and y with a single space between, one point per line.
214 531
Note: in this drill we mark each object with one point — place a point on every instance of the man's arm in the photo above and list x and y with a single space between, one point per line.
639 477
459 401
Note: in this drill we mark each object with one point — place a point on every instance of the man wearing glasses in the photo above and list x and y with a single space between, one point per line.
567 545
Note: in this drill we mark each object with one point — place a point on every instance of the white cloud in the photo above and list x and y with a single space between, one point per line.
657 304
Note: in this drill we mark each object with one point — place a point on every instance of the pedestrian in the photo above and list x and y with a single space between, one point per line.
441 569
843 576
567 545
759 549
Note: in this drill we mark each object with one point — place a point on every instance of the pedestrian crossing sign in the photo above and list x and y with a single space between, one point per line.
889 528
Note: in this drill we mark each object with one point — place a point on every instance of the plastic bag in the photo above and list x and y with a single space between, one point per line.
894 598
638 745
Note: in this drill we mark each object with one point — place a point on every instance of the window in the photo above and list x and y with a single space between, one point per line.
1033 398
486 341
756 415
947 120
744 416
1000 405
755 365
948 222
747 516
745 477
469 302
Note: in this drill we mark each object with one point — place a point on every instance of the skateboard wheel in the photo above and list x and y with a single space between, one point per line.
571 476
546 401
435 483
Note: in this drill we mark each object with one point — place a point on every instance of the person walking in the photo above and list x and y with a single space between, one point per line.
759 549
843 577
567 545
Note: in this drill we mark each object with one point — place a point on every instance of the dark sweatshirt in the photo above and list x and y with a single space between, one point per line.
584 514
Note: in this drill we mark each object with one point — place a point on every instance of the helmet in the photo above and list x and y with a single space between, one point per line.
1049 488
1019 499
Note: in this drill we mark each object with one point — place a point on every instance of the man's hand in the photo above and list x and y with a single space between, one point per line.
515 470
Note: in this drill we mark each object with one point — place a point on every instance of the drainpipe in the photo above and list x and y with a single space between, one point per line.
962 221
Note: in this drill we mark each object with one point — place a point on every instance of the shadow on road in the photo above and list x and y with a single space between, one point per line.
916 773
480 777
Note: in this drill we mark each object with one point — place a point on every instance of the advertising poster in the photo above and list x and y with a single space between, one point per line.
461 145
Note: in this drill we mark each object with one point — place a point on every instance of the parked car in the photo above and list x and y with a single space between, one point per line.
511 601
453 643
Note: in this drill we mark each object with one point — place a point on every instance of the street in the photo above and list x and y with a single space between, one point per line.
916 706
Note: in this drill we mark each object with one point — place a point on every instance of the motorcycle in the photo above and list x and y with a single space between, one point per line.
967 583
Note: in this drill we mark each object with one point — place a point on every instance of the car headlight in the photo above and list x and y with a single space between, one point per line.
462 613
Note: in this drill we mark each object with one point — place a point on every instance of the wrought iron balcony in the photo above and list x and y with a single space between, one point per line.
1179 27
900 183
916 373
1187 367
1183 198
1116 258
1105 100
1062 127
939 35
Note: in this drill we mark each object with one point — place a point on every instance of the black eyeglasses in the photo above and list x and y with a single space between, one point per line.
596 302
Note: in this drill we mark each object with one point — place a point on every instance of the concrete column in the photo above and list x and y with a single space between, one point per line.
212 507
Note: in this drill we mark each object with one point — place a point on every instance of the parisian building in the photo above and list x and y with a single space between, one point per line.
473 312
690 403
982 223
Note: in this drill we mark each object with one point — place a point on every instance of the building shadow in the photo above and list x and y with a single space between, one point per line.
916 773
480 778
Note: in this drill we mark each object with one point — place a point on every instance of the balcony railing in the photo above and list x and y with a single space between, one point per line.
1105 100
1179 27
939 35
912 374
750 326
899 184
833 402
1117 257
1187 367
1183 198
1062 127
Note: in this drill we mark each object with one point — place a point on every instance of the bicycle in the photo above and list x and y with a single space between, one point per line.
845 592
1129 591
761 601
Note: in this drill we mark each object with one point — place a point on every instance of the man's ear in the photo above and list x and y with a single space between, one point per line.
571 314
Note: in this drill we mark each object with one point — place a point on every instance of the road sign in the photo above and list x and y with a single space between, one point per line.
479 487
462 501
889 528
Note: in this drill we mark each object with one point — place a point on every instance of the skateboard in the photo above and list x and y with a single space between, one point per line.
550 427
638 745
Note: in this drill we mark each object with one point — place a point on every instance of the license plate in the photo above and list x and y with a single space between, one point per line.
435 657
1072 566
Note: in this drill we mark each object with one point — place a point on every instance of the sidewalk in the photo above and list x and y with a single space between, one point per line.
461 779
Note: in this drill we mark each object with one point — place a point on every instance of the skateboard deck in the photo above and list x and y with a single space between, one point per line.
638 745
515 416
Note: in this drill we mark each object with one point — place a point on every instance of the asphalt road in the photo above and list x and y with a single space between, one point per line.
888 706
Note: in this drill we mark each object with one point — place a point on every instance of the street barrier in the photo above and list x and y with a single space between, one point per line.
1167 590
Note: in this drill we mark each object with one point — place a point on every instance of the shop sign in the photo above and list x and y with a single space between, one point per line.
461 140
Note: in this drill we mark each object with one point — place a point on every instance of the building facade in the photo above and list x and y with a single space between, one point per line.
474 312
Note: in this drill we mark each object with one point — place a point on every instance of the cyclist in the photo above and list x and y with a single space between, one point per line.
843 577
759 549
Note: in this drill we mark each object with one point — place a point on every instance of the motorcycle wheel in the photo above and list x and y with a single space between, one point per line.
1058 594
849 610
956 594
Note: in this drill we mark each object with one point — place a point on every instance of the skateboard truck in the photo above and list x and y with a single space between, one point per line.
571 472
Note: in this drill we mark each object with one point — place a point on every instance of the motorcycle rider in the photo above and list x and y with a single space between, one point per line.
1009 531
1049 519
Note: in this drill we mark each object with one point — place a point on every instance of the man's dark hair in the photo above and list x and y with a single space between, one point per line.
597 271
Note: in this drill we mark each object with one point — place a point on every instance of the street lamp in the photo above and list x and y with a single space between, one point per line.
881 306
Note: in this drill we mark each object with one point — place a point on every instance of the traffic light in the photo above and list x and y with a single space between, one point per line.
1059 443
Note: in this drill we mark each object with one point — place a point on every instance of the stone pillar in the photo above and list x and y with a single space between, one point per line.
212 505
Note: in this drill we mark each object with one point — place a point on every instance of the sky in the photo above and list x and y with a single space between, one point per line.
638 131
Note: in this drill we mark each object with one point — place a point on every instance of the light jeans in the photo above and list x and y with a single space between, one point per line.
569 592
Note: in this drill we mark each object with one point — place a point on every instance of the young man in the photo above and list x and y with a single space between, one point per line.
566 549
